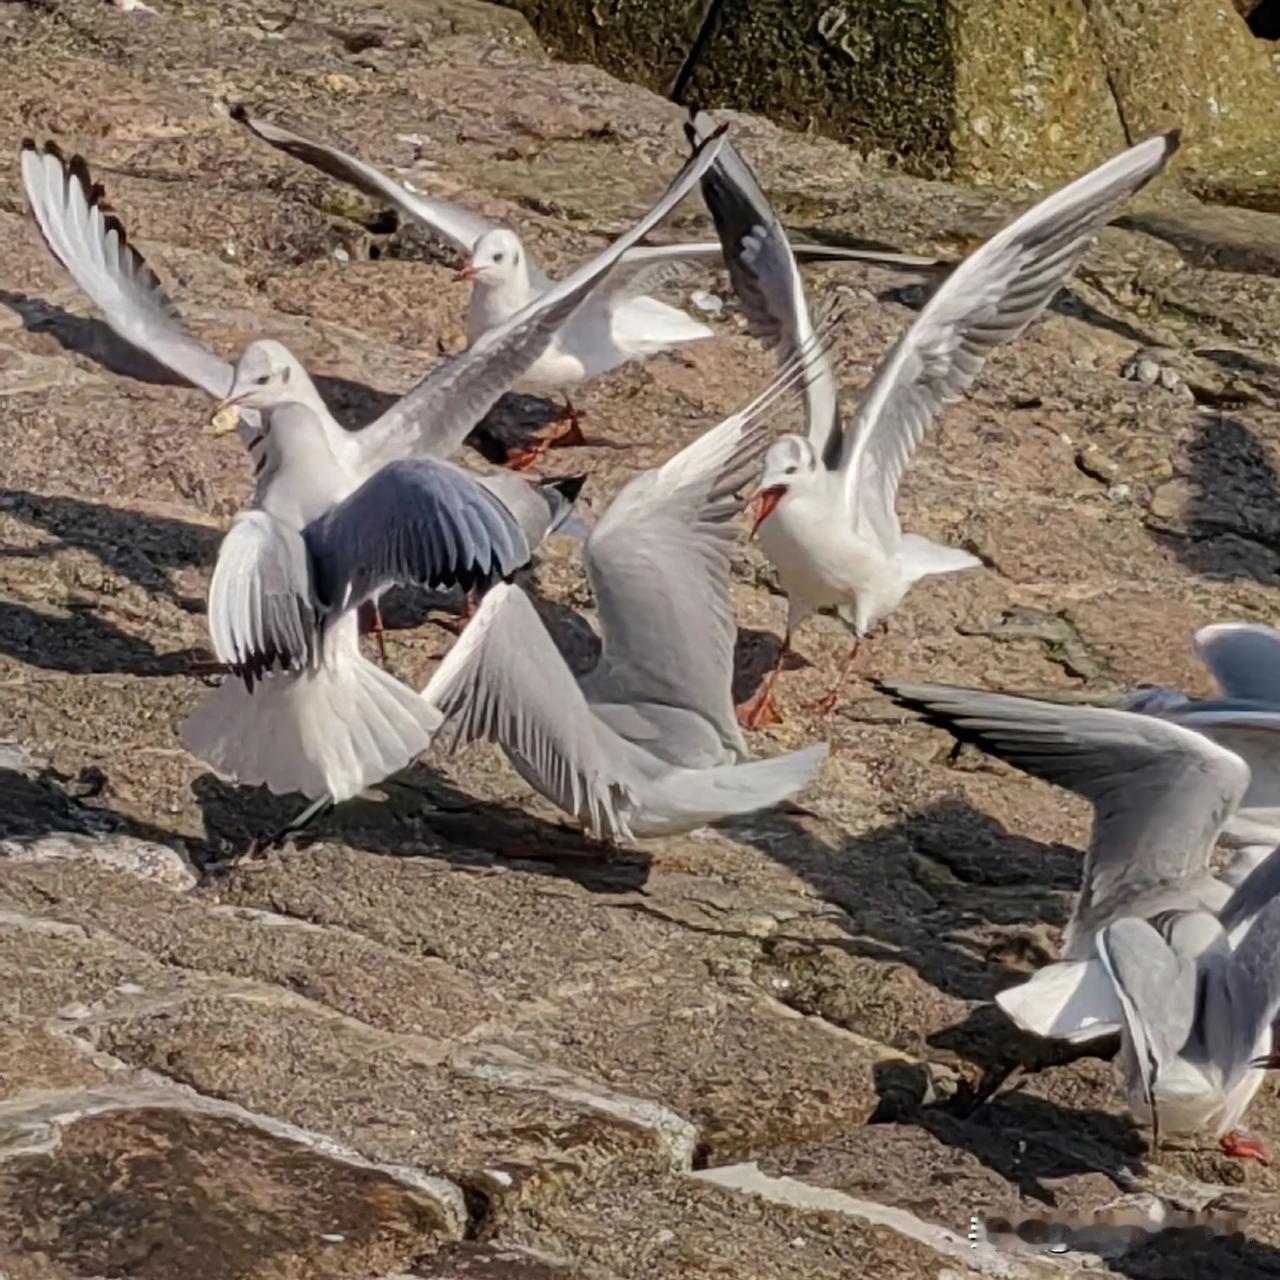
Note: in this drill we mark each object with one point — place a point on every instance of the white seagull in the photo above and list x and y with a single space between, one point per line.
431 420
620 323
825 510
1158 948
646 743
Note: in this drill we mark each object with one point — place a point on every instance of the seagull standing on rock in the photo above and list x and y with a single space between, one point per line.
825 510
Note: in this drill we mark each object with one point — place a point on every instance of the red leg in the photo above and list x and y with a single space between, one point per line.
760 709
826 705
371 622
522 459
572 437
1242 1147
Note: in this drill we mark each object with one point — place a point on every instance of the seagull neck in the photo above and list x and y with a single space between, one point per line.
495 301
301 478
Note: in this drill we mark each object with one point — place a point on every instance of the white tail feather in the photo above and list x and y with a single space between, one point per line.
333 730
1069 1000
689 798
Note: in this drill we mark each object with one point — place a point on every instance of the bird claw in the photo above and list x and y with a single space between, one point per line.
1242 1147
759 710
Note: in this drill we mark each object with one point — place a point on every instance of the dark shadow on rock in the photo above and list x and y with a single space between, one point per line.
83 643
936 890
422 815
40 801
511 424
1230 527
89 337
142 548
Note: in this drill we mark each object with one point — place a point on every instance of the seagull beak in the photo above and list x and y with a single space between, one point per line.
466 273
762 505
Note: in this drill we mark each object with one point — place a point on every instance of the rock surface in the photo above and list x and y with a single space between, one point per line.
993 91
445 1038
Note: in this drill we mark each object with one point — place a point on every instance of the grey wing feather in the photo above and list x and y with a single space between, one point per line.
658 562
94 248
1244 659
1259 887
1156 990
436 414
763 271
506 682
459 227
989 299
1160 793
417 521
261 612
1251 984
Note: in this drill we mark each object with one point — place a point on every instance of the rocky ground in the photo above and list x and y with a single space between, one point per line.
443 1037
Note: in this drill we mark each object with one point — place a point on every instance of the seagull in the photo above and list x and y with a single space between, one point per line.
646 743
1244 660
825 510
431 420
1149 906
621 322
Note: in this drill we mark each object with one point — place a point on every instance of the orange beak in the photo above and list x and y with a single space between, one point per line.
763 504
466 273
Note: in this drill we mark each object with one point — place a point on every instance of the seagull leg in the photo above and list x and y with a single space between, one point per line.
572 437
371 623
827 704
523 459
469 607
260 848
1243 1147
760 709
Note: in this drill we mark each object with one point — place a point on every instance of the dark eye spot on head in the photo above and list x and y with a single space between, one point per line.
285 374
497 257
791 470
262 381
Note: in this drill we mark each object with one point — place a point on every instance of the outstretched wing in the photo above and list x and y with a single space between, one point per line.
261 613
506 682
418 521
1244 658
658 561
1251 983
455 225
763 271
1160 793
93 247
437 413
988 300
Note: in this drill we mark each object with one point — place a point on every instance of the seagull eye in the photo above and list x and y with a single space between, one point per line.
791 470
497 257
262 381
285 374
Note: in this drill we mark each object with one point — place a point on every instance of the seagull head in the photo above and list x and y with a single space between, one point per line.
497 257
790 461
265 375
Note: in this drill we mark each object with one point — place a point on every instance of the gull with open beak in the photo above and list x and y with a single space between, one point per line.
825 510
620 323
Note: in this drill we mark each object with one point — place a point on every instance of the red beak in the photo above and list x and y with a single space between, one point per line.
762 505
466 273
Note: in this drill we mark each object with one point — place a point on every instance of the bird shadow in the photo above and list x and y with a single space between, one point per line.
420 814
142 548
82 643
1229 528
512 424
40 801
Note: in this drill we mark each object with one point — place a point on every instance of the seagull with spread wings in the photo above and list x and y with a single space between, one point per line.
620 323
1184 966
825 510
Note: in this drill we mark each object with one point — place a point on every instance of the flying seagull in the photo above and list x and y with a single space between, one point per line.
825 511
646 743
